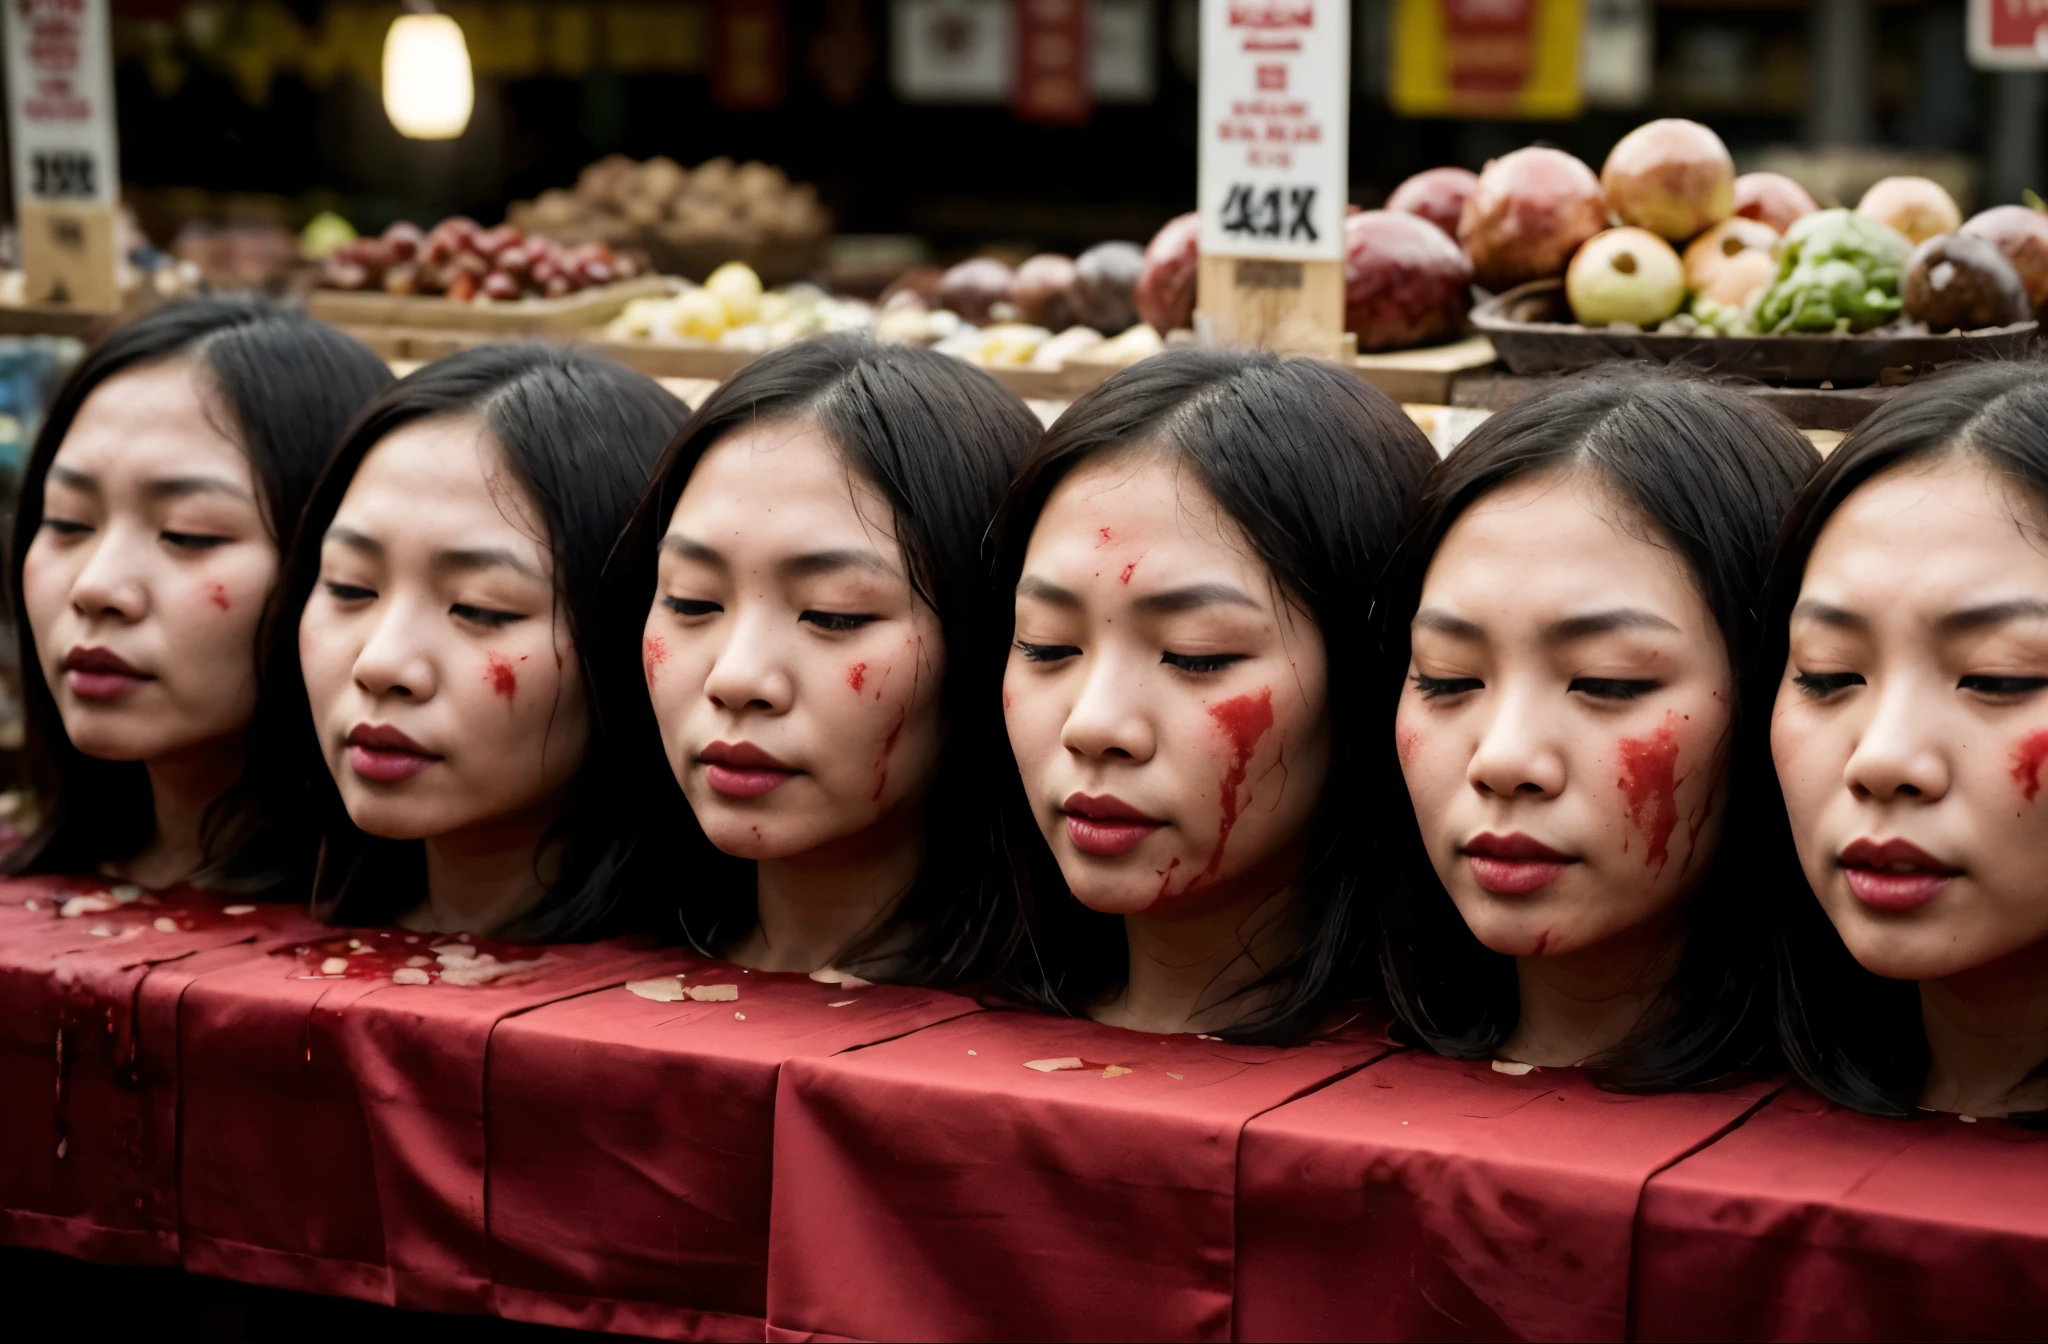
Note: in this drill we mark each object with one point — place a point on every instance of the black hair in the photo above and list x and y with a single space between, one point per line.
939 440
1318 469
284 387
579 433
1711 472
1857 1037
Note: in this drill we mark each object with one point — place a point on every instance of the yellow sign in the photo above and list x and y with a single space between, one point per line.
67 254
1487 58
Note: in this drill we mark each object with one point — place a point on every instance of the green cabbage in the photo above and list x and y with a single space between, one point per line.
1837 271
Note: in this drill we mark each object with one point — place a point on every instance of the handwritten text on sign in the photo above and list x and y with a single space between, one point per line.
1276 83
60 101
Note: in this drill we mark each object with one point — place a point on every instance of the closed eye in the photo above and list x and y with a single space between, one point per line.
2003 686
1820 685
1200 662
690 606
839 622
193 541
349 592
1435 688
1046 653
66 527
484 616
1611 688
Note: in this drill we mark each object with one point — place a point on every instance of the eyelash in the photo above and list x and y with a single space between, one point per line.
349 592
193 541
838 622
690 606
1433 688
2003 686
1200 662
65 527
1612 688
1821 685
1046 653
484 616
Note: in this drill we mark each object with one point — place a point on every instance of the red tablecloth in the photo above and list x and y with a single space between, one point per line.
631 1140
1815 1222
88 1044
936 1188
1430 1198
333 1136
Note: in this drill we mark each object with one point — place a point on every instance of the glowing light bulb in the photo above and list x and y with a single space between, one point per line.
428 90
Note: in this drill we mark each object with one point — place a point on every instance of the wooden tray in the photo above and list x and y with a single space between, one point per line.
520 317
1531 328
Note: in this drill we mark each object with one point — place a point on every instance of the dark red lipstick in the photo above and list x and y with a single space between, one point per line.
101 674
1513 865
743 770
383 755
1106 826
1894 875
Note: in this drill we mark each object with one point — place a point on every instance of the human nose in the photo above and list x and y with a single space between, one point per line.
1517 756
396 658
749 670
1109 719
1898 751
112 583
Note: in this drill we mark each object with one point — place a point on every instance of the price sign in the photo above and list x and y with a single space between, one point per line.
60 117
2009 34
1276 107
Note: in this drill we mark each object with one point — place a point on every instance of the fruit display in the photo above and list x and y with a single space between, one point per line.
1773 199
1528 213
688 221
460 260
1672 177
1165 295
1626 275
734 311
2021 233
1914 206
1405 282
1106 286
1436 194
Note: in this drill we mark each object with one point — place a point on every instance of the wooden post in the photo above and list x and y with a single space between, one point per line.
1276 78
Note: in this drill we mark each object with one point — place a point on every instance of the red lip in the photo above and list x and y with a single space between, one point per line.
1514 865
101 674
1106 826
743 770
383 755
1894 876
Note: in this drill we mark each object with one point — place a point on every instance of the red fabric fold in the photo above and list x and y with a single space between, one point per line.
631 1141
1812 1221
937 1188
1431 1198
333 1136
88 1031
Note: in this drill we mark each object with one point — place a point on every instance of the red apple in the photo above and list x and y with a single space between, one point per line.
1772 198
1914 206
2022 234
1165 295
1436 194
1529 213
1672 176
1405 281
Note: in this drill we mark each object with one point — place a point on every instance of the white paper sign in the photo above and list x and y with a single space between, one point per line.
60 101
1275 143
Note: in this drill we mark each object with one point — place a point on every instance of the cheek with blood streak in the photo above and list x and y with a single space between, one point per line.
857 676
1405 743
218 596
2026 763
1245 720
1006 699
903 717
1649 789
1103 533
1129 570
503 679
653 653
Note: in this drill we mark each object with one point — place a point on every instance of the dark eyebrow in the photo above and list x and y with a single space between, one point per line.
675 543
1175 600
1047 592
825 562
354 540
486 557
77 480
1604 622
1457 627
1996 613
1826 613
180 487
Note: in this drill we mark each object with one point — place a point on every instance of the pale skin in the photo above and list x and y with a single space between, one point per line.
154 548
1568 688
1915 709
436 615
784 621
1156 663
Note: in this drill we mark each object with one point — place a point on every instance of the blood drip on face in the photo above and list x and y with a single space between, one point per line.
653 653
1649 784
857 676
1166 876
1245 721
503 679
1129 570
218 595
1103 533
1405 744
902 718
2026 763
